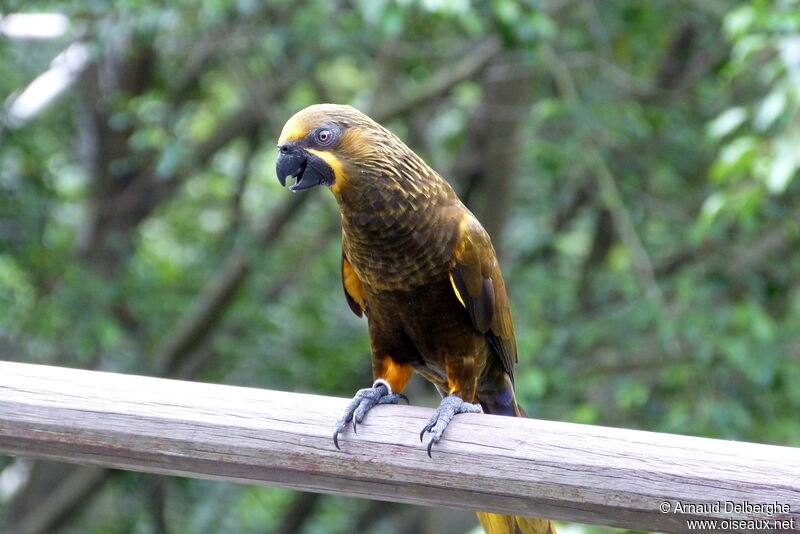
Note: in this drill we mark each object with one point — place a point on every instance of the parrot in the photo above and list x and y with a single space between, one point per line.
419 265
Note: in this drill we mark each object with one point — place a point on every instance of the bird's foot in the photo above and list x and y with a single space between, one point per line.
380 393
448 408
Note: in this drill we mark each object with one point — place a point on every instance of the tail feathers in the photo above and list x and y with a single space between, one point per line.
501 400
504 403
509 524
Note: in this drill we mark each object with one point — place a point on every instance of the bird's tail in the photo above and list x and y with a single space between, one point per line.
510 524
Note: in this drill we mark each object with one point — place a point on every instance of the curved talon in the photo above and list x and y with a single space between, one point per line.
363 401
338 430
441 417
426 428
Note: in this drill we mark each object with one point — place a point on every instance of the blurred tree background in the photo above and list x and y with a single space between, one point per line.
635 162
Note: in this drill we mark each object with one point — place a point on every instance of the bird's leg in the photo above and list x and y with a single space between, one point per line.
448 408
380 393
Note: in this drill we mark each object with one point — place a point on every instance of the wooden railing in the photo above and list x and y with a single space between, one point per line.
581 473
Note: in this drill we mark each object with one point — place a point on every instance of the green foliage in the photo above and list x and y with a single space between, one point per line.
694 112
758 156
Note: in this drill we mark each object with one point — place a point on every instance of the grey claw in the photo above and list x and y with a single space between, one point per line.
448 408
363 401
427 427
338 430
393 398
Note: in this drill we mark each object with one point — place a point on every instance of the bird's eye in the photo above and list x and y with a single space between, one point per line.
324 136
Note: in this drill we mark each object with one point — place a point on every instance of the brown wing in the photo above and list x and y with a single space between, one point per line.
478 284
353 288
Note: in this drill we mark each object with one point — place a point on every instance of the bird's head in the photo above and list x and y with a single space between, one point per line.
330 144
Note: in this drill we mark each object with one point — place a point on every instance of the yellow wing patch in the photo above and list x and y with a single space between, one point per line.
455 290
478 284
353 288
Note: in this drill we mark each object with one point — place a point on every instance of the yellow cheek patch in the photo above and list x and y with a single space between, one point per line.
292 130
334 163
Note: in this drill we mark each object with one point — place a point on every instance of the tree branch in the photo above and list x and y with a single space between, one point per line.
466 68
609 192
197 325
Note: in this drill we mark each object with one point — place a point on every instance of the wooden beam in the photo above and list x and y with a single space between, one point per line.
565 471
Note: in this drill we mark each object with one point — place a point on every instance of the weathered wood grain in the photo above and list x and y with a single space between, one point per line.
548 469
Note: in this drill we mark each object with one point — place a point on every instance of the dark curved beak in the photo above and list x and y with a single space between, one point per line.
307 169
